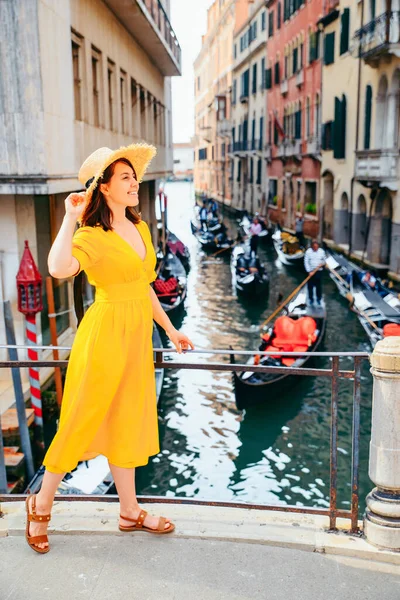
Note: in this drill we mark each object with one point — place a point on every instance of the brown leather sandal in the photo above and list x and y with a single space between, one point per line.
138 524
34 540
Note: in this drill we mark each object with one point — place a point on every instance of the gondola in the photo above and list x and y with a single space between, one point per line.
245 224
214 224
301 329
171 283
211 241
178 248
249 276
288 249
377 308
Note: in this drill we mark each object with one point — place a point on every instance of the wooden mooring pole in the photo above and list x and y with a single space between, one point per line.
19 395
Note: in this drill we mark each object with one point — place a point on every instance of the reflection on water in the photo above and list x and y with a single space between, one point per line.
277 453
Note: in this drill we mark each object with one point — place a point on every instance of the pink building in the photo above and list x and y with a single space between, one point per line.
293 81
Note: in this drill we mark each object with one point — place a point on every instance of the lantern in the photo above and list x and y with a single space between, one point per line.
29 284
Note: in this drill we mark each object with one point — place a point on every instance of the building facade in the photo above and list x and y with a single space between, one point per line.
183 161
90 73
293 80
213 81
360 169
248 115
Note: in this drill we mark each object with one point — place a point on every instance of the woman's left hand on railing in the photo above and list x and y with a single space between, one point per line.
180 340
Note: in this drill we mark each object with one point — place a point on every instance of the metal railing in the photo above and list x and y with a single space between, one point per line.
335 373
161 19
377 34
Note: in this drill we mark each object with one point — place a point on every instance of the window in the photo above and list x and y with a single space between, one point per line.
134 98
339 129
221 108
254 82
310 197
263 20
251 178
279 16
329 48
263 78
96 57
235 51
234 92
327 137
111 93
297 126
277 74
286 66
245 134
245 84
261 142
239 171
344 31
77 74
202 153
295 60
268 79
273 192
253 134
301 56
122 91
313 46
259 171
317 124
308 118
367 117
271 24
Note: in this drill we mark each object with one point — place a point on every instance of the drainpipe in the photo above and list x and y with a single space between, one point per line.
353 179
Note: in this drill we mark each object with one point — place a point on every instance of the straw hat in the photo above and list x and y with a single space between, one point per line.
139 155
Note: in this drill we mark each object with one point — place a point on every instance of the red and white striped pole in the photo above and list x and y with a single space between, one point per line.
34 378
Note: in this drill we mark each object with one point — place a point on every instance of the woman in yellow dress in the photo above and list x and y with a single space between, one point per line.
109 404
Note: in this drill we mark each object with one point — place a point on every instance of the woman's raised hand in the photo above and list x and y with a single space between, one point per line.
75 204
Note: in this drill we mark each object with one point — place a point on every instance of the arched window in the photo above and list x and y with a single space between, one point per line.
367 117
339 138
381 110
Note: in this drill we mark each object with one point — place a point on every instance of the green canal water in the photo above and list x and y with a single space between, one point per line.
277 453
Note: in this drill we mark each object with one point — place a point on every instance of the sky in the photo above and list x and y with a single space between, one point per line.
189 21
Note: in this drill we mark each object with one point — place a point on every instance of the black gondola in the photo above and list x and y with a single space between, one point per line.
171 283
249 276
177 247
376 306
302 330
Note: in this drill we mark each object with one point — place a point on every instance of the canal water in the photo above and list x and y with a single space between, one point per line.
277 453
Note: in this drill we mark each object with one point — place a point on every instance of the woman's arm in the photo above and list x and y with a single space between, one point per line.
60 262
180 340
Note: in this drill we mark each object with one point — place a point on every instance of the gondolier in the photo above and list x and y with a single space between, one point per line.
255 230
203 216
314 258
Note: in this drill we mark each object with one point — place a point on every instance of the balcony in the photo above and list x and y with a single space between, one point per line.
378 39
284 87
313 147
292 148
378 166
240 147
300 78
224 128
148 23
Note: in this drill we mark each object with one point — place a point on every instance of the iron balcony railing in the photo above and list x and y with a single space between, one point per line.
160 17
334 373
377 35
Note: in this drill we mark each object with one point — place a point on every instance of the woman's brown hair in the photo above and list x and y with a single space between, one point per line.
97 211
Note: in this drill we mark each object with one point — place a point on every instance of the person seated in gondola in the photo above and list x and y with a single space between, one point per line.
203 216
254 264
369 280
242 264
213 207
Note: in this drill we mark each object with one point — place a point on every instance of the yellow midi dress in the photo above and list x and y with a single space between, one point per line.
109 404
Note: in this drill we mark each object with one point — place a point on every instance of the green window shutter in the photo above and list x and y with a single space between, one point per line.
329 48
345 31
343 111
297 125
259 167
367 119
337 129
268 79
277 73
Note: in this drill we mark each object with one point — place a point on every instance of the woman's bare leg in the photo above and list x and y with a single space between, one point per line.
44 502
124 480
